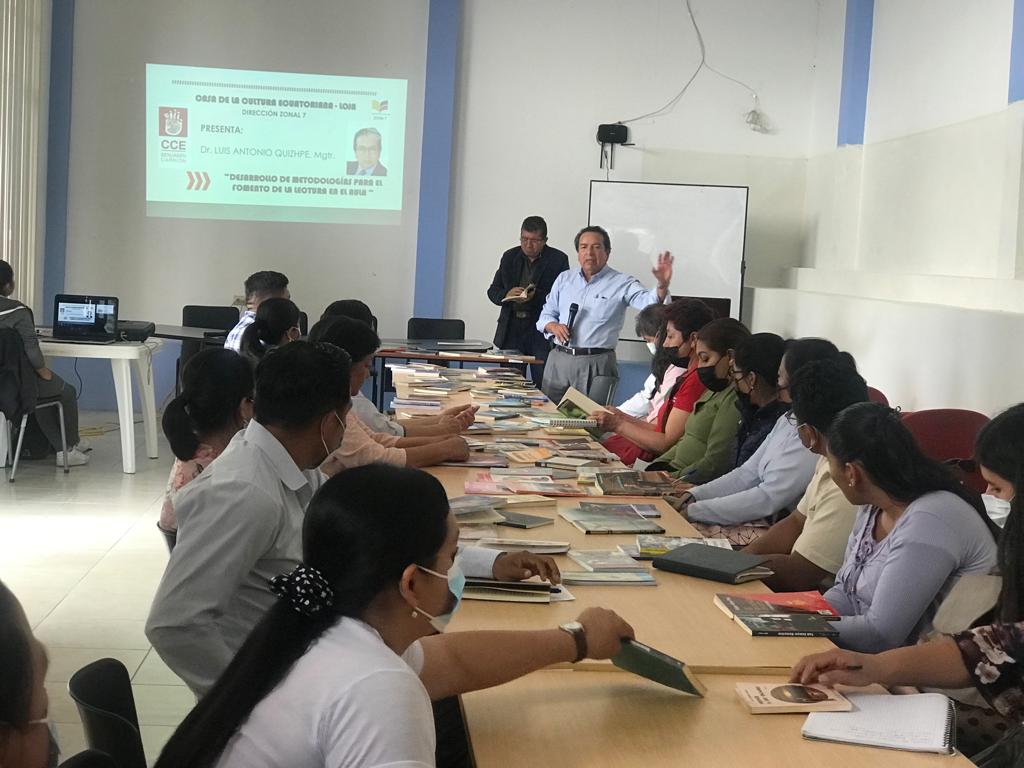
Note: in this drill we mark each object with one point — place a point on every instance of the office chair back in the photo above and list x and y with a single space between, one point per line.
102 691
91 758
877 396
435 328
170 536
199 316
948 435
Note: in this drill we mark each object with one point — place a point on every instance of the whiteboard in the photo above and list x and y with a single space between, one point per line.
703 226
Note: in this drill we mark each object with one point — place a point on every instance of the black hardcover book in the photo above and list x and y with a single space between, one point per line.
713 563
791 625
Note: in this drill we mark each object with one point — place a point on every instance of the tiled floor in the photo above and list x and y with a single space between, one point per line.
83 555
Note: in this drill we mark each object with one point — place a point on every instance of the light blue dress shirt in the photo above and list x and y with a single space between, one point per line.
602 303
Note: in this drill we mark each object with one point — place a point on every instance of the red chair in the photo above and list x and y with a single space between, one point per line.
877 396
947 435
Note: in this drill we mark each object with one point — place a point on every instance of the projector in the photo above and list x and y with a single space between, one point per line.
612 133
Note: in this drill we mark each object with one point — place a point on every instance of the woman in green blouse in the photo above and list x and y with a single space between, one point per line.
706 449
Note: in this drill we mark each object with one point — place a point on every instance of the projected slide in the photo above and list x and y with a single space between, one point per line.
273 146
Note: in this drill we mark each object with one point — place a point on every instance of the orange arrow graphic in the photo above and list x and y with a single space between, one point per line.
206 181
191 180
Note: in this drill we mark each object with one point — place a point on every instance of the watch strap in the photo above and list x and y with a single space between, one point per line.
580 638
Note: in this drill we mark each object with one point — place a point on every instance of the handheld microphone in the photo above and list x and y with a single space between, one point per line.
573 309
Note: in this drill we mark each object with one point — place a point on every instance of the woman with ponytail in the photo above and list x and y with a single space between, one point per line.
214 404
990 658
341 670
276 323
916 532
25 738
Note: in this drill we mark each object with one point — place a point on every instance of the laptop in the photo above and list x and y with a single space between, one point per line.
85 319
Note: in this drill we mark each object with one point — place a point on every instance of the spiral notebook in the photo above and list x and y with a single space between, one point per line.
920 722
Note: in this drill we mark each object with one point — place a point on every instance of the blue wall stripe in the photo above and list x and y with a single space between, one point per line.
58 150
436 162
1017 53
853 100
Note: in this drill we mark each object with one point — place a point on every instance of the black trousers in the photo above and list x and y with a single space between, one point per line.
452 749
48 418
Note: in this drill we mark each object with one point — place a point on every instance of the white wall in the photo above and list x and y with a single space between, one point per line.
537 77
920 355
936 63
935 189
912 245
156 265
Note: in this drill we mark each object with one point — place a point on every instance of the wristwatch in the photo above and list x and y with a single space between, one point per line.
575 629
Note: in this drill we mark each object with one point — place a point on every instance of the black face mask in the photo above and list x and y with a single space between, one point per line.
672 354
707 377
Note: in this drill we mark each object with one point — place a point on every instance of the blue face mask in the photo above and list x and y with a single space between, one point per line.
456 584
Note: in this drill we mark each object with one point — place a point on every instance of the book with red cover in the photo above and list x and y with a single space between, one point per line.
775 603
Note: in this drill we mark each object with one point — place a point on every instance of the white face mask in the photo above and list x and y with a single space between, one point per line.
652 347
998 509
323 440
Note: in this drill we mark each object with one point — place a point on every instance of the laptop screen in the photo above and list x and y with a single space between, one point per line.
93 317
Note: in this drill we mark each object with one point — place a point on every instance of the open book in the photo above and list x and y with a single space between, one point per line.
520 294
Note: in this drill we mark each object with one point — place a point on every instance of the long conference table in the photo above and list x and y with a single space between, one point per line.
596 715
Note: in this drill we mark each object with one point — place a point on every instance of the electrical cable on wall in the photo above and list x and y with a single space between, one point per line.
755 118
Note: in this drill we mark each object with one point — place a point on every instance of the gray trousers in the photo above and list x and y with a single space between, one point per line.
594 375
49 418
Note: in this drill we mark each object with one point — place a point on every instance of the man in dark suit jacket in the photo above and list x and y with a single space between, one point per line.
534 263
366 144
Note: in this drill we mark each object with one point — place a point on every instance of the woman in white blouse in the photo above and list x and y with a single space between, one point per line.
342 669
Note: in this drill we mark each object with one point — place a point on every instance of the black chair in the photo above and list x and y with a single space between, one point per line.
102 691
91 758
43 403
18 398
199 316
435 328
171 537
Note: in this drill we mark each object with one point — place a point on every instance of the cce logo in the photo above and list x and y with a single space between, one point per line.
174 122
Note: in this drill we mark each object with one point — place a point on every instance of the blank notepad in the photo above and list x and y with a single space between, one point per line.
921 722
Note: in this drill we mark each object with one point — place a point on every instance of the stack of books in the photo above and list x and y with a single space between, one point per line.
604 561
780 614
633 483
609 521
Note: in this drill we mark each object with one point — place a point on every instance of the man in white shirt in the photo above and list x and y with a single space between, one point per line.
240 521
258 287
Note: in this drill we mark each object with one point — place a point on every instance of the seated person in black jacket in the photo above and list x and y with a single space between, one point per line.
14 314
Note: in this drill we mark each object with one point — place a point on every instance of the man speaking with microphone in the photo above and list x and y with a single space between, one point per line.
584 313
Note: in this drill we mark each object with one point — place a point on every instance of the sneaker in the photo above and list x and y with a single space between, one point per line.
75 458
84 446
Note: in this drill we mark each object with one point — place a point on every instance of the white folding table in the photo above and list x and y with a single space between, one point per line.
123 356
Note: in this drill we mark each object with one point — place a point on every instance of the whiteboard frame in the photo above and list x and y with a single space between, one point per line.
746 214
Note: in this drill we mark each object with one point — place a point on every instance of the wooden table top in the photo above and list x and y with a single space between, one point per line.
596 719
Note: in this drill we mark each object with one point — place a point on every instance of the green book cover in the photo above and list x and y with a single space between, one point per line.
647 662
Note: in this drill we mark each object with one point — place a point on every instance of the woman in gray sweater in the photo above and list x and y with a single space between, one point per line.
14 314
916 532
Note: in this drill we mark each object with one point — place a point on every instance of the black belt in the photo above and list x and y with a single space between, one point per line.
579 351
